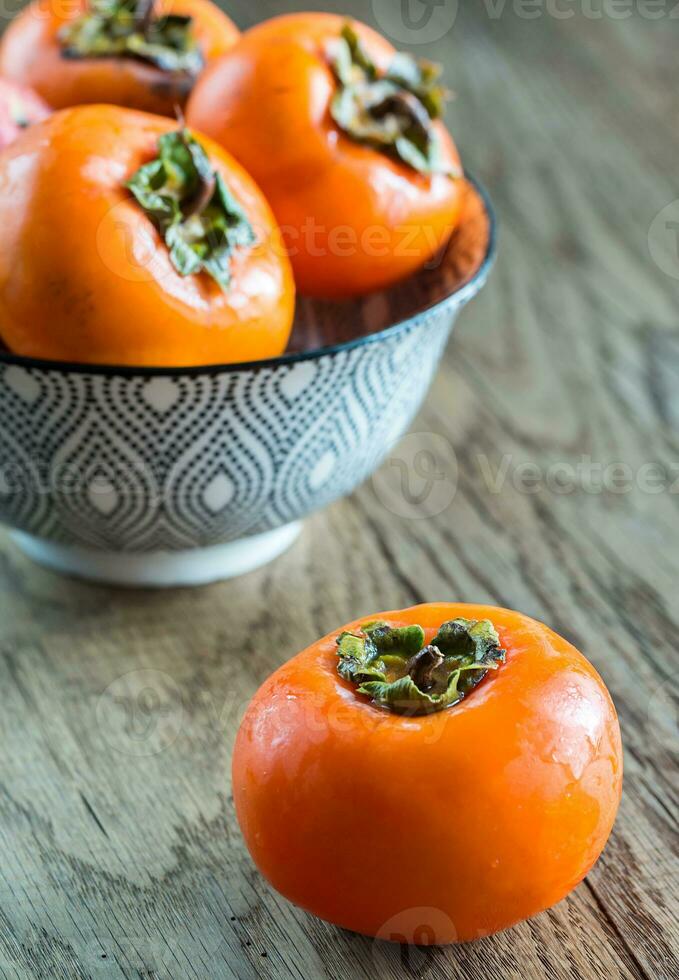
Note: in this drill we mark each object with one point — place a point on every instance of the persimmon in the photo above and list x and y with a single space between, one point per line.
431 775
348 145
20 107
136 53
127 240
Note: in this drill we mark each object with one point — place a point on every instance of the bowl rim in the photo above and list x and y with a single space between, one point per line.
461 294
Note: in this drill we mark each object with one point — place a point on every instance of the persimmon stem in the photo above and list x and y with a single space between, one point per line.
202 198
143 15
408 107
421 667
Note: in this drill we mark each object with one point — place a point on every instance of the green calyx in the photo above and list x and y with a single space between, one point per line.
393 667
128 29
190 204
394 111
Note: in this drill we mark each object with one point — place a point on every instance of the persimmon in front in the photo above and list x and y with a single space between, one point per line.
434 774
126 240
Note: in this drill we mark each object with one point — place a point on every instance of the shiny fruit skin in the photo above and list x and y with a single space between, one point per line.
354 220
31 53
85 276
20 107
448 827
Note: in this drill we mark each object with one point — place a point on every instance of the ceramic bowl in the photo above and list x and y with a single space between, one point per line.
169 477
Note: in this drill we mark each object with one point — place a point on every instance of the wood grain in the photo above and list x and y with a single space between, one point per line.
120 853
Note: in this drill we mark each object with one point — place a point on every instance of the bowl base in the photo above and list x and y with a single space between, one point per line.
161 569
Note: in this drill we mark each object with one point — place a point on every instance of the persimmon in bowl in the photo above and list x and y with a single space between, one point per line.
127 239
349 146
443 772
141 54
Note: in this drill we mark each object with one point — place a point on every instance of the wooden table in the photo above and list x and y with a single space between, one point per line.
120 852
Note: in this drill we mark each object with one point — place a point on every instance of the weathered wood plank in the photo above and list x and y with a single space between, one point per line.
121 855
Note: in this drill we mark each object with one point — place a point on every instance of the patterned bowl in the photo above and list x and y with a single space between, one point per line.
166 477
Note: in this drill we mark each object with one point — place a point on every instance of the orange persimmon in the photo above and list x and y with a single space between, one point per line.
431 775
344 136
134 54
125 240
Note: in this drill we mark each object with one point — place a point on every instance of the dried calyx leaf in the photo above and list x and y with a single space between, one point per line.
394 111
393 666
128 29
192 207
